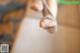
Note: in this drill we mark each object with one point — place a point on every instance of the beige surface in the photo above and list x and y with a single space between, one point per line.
33 39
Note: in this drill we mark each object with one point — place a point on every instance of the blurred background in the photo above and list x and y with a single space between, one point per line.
66 40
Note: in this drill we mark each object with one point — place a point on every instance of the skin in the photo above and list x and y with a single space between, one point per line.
51 10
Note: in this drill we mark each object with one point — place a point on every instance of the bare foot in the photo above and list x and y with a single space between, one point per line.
49 24
37 5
